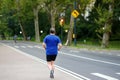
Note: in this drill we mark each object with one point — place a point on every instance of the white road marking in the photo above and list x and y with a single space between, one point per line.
118 73
23 46
30 46
90 59
39 47
74 51
16 46
118 55
65 70
36 46
77 76
81 57
104 76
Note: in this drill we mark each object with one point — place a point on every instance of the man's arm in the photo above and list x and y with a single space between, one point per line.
59 46
44 45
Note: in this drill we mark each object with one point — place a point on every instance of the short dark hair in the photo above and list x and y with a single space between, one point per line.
52 30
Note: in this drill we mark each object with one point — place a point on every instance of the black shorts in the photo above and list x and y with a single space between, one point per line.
50 57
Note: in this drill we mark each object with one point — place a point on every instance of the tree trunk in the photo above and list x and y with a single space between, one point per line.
52 18
53 13
37 35
106 35
70 32
105 40
20 21
23 32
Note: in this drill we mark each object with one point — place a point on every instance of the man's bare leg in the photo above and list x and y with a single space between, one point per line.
51 67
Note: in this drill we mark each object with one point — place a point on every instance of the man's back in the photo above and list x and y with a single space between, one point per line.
52 42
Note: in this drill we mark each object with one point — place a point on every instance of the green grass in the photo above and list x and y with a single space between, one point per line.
114 45
93 45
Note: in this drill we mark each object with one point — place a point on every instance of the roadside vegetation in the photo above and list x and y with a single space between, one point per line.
96 27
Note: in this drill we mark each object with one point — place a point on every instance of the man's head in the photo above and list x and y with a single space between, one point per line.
52 30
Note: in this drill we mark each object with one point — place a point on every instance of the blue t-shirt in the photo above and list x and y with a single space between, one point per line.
52 42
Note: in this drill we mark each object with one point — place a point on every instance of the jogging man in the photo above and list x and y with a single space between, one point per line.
52 44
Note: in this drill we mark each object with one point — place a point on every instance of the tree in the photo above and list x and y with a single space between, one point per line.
105 11
6 9
33 6
35 12
18 2
54 8
81 5
36 7
115 35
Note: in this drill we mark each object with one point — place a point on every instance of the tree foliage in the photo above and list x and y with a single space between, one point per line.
91 26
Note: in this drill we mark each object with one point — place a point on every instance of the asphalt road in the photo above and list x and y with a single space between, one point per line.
86 64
